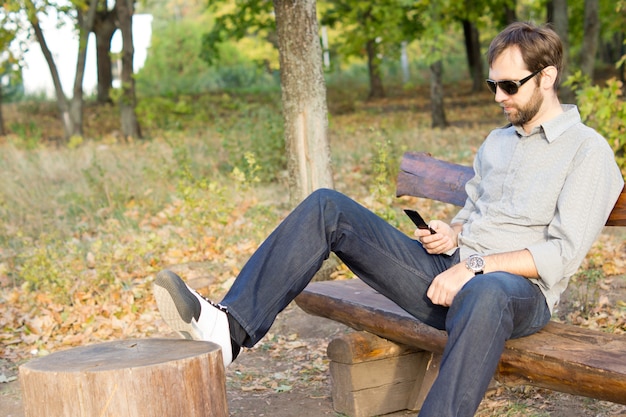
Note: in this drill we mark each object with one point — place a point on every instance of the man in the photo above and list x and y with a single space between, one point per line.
542 192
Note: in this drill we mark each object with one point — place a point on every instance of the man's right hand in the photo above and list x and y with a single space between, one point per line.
441 242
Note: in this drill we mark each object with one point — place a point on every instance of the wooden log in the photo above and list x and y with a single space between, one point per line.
354 304
561 357
364 347
130 378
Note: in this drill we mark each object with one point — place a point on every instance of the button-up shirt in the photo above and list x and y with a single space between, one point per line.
550 192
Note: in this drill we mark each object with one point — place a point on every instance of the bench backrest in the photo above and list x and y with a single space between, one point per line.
421 175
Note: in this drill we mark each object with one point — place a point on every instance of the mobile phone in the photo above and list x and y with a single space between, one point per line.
417 219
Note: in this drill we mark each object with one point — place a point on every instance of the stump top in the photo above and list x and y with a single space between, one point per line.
120 354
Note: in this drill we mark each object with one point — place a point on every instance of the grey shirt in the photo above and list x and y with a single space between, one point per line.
549 191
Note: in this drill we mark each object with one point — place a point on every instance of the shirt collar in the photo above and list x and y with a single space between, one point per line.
554 127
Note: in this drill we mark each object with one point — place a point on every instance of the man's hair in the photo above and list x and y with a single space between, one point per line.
540 46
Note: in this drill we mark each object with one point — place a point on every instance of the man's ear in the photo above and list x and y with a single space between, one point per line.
548 77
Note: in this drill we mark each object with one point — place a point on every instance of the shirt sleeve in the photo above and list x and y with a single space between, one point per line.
585 202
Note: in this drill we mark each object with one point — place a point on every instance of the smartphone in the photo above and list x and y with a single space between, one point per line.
417 219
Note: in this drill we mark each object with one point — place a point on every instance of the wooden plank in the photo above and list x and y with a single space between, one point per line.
365 347
372 401
373 376
560 357
377 373
421 390
421 175
618 215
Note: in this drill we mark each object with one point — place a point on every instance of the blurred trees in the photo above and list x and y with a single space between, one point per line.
82 15
234 43
373 30
70 110
9 62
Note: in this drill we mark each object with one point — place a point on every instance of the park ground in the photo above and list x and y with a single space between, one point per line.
286 374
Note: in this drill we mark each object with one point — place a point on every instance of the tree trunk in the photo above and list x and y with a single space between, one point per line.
373 66
474 58
404 63
510 15
591 36
62 102
104 27
437 111
128 100
303 98
558 10
436 95
85 23
71 112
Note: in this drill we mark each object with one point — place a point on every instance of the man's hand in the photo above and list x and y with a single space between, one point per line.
446 285
441 242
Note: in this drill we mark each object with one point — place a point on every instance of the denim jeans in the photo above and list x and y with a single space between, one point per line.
488 310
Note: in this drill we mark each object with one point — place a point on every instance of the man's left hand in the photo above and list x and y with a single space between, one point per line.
446 285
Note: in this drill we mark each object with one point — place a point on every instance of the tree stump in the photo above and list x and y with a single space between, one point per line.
129 378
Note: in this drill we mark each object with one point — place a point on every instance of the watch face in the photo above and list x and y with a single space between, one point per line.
476 263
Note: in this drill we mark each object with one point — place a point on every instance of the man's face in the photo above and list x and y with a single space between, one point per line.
523 107
522 114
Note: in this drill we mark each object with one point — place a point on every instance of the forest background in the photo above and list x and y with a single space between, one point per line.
88 216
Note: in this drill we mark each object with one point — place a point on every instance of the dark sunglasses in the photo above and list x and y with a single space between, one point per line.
509 86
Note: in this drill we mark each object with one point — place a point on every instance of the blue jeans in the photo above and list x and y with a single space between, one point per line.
488 310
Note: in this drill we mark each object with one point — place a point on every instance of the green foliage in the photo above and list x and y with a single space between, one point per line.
10 62
388 23
383 185
41 267
248 18
28 133
260 133
247 173
604 109
163 112
174 65
206 201
587 288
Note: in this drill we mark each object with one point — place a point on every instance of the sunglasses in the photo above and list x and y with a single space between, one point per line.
509 86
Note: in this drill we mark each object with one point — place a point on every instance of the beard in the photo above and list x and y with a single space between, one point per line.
524 114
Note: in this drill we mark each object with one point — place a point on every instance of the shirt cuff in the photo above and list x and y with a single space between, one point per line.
451 251
547 257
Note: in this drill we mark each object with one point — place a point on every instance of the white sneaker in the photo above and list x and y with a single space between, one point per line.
190 314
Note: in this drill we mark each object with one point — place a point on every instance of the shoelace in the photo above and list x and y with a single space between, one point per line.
219 306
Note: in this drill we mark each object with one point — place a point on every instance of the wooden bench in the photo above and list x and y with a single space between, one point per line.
391 364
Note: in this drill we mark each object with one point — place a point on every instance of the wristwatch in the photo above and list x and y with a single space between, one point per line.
475 263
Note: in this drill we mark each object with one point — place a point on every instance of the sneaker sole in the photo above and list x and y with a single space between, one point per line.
177 305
